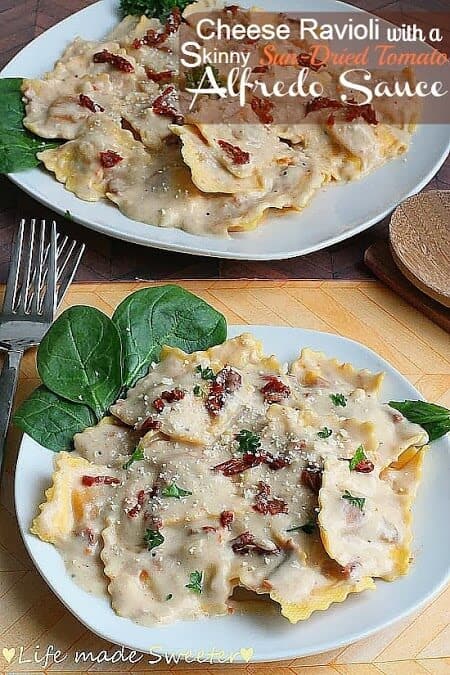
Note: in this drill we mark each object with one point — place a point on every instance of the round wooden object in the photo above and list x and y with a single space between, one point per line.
420 242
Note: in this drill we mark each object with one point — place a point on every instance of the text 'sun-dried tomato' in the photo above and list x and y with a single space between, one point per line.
265 504
149 424
88 103
125 124
246 543
154 39
364 466
235 153
114 60
274 390
262 107
163 106
305 60
226 518
99 480
312 479
109 158
133 512
164 76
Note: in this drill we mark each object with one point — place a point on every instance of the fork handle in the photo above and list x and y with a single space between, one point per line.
8 385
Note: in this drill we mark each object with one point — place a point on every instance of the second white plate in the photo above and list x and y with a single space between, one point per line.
270 637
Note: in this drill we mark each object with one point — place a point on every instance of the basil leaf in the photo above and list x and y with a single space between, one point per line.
357 502
52 421
159 9
338 400
174 491
136 456
435 419
358 457
80 358
205 373
18 146
195 581
248 441
153 538
325 432
164 315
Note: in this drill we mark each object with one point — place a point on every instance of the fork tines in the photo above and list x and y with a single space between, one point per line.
42 267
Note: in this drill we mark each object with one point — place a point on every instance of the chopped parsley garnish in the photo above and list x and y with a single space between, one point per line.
195 582
307 528
205 373
153 538
194 76
325 432
174 491
358 502
151 8
248 441
137 455
198 391
169 596
338 400
68 215
359 456
435 419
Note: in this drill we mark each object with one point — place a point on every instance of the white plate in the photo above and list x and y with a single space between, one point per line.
334 214
271 637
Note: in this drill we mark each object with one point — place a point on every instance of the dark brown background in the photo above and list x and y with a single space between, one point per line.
110 259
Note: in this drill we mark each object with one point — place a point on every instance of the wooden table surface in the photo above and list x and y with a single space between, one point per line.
109 259
31 615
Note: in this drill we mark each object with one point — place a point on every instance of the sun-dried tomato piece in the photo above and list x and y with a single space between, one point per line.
99 480
364 466
237 155
311 478
274 390
262 107
149 424
276 463
89 535
154 39
246 543
397 417
229 379
109 158
153 522
226 518
209 528
159 404
215 399
133 512
366 111
173 21
114 60
164 76
305 61
260 69
231 9
88 103
129 127
232 467
265 504
162 106
173 395
321 103
330 120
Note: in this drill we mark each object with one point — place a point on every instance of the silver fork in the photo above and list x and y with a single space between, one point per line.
39 276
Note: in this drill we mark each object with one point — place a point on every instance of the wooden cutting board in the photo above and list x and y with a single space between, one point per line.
30 614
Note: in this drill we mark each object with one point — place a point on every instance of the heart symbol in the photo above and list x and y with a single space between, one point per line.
9 654
246 653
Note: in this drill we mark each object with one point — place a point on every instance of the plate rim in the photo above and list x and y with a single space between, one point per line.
287 653
208 249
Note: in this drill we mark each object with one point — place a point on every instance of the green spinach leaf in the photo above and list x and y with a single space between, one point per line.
18 146
435 419
80 358
164 315
159 9
52 421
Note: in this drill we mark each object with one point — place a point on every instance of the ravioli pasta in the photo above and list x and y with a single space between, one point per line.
222 470
116 104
